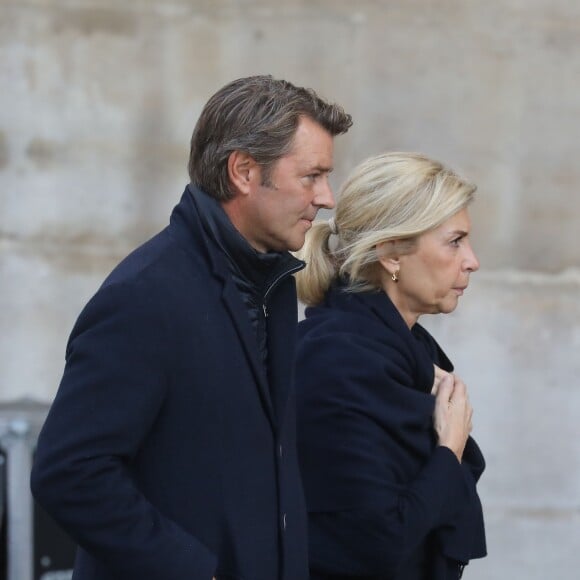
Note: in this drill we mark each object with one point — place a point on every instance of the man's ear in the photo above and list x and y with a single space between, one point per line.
388 257
243 172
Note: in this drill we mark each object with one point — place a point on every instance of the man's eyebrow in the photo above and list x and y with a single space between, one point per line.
323 168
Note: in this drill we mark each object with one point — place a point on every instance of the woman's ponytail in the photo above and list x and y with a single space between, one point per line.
313 281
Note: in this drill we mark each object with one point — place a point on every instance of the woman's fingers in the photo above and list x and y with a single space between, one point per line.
452 417
444 387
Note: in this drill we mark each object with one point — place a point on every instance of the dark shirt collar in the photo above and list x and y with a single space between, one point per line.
260 269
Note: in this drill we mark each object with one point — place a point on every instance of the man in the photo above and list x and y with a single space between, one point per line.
169 451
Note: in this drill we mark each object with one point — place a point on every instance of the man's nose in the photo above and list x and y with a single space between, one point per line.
324 196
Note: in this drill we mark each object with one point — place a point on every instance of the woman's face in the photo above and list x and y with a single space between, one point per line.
436 274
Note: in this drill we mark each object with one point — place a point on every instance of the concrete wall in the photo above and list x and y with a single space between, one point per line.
97 103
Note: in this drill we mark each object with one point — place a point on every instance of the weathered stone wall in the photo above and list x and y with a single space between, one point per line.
97 103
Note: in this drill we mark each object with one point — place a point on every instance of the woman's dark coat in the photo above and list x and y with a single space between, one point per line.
168 454
384 501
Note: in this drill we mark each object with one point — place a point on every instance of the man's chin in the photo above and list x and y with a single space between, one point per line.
286 246
295 243
295 247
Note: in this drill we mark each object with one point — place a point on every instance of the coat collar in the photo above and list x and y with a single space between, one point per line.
379 307
189 228
259 269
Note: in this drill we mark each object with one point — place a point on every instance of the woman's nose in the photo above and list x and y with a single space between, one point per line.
472 262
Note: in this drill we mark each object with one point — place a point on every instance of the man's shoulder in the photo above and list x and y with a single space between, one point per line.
159 259
159 274
154 282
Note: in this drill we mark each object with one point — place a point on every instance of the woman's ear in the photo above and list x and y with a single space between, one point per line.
243 172
388 257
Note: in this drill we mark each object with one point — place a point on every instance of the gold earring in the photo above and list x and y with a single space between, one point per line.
395 276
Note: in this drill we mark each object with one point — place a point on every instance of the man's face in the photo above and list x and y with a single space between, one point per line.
278 213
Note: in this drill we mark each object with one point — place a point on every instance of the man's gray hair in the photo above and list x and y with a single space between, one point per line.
258 115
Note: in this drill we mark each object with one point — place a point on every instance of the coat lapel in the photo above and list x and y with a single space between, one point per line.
282 324
422 366
233 302
241 321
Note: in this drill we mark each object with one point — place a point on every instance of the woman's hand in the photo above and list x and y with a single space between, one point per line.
453 413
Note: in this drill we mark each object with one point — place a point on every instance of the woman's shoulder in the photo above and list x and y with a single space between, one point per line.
339 335
366 318
348 311
339 326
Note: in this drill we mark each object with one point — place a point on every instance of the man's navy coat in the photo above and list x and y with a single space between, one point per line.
384 501
167 453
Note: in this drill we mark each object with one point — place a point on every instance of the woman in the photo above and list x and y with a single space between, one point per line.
389 468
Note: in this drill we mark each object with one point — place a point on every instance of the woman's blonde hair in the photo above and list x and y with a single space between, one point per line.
389 197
